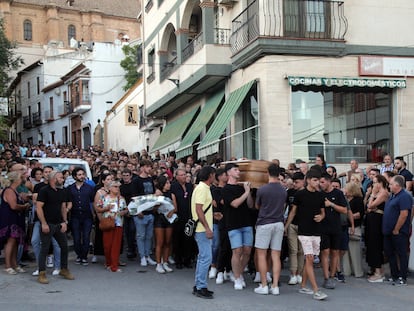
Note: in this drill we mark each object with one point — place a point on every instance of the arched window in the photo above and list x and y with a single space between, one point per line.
71 33
27 30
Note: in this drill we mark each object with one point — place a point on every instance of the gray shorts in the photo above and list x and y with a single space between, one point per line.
270 235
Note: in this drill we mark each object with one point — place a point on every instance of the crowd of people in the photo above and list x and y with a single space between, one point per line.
306 213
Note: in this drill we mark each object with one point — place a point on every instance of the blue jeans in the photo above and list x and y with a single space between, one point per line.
36 245
216 243
81 231
145 231
203 259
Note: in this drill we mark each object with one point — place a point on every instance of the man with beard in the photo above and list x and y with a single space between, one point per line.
51 208
81 196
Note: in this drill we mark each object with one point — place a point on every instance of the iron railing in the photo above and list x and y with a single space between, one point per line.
194 46
36 118
221 36
299 19
27 122
168 68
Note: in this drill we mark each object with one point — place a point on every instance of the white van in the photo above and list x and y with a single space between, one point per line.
60 164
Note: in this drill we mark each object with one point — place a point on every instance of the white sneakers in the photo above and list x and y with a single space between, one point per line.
160 268
49 261
171 260
257 278
213 273
144 262
166 267
293 280
264 290
220 278
56 272
36 273
238 285
150 261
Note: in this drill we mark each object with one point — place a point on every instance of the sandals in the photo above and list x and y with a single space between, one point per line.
10 271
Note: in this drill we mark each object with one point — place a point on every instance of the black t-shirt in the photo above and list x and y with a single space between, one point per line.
144 185
36 189
289 201
357 205
332 224
128 191
183 199
53 199
309 204
235 218
218 197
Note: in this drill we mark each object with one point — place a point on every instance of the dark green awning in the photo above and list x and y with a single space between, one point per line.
205 115
210 143
170 137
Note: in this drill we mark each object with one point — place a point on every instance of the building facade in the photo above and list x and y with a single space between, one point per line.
285 79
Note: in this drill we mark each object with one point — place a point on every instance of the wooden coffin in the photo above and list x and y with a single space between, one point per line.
253 171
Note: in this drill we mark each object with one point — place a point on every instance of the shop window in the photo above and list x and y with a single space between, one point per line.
27 30
345 125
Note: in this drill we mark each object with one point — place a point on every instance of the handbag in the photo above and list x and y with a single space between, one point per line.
191 225
107 223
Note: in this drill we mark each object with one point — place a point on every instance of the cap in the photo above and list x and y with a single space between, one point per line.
229 166
114 183
298 175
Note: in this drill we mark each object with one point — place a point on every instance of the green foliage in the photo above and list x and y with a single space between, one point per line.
130 65
8 60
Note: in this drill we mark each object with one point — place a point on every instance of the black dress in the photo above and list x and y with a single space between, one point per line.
374 238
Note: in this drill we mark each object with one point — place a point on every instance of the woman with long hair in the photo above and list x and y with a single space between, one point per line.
163 229
12 221
373 229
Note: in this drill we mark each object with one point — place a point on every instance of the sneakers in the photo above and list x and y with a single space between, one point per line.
150 261
319 295
261 290
213 273
56 272
166 267
400 282
376 278
268 277
49 261
299 278
84 262
220 278
35 273
78 261
10 271
238 284
242 281
20 269
340 277
94 259
144 262
306 291
203 293
171 260
329 284
160 268
293 280
228 276
274 290
231 276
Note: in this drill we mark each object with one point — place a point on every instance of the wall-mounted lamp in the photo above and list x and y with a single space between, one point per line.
175 81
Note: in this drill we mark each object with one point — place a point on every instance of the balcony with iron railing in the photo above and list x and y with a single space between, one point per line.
319 24
36 118
82 103
27 122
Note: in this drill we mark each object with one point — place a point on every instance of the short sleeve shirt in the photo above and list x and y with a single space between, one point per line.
202 195
393 207
308 205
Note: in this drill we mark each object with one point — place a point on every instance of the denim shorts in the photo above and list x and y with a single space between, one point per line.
241 237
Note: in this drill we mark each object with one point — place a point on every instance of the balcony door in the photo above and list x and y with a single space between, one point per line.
306 19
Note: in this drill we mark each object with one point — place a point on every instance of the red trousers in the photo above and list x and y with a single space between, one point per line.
112 246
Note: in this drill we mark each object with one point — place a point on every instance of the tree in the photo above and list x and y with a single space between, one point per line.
130 64
8 60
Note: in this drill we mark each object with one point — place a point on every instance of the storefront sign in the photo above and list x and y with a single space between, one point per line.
347 82
386 66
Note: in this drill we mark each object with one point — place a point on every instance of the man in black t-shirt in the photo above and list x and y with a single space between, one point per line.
335 205
308 207
237 201
51 208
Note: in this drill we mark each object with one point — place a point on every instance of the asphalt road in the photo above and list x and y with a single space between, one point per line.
141 288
